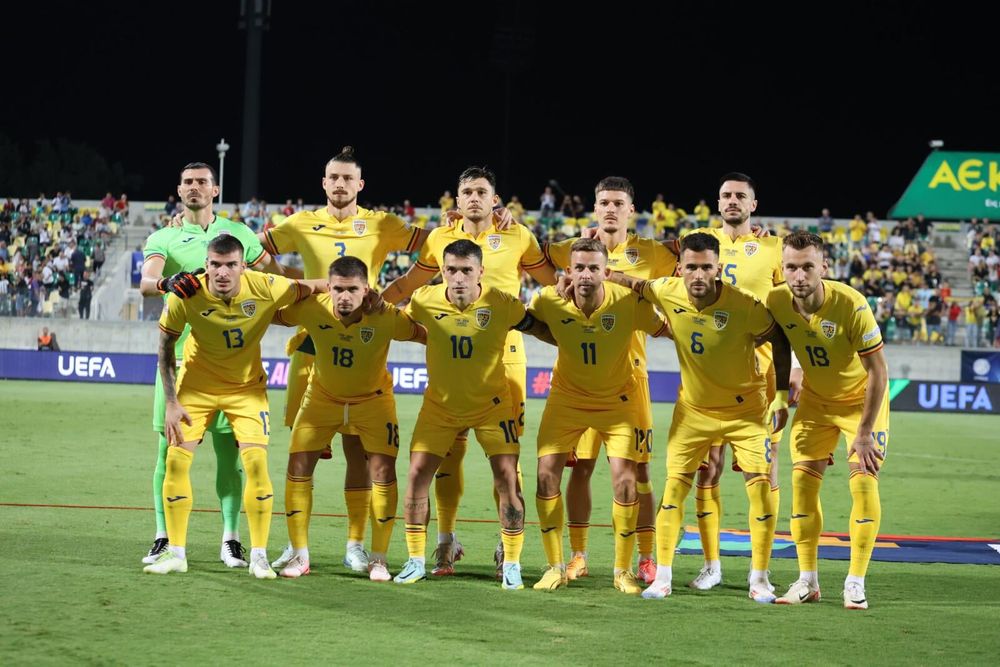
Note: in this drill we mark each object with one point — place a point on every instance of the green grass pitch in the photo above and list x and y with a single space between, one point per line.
73 590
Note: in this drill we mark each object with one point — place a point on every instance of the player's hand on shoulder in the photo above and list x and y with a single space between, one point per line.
564 287
759 231
176 221
373 303
451 216
588 233
502 218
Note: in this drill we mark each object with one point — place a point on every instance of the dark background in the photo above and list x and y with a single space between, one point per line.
824 104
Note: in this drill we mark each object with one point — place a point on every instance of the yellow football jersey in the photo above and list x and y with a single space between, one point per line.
465 373
594 368
830 343
505 255
350 360
321 238
636 256
715 346
223 350
748 262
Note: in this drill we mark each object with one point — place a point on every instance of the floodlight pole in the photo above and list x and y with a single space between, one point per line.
222 147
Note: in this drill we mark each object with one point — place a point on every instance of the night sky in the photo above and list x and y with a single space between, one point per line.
824 104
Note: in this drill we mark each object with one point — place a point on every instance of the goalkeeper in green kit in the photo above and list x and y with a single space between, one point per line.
173 257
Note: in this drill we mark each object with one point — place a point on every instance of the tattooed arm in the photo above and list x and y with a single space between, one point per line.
175 413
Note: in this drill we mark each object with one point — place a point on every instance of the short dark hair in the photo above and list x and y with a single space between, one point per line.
472 173
346 154
700 242
200 165
616 183
349 267
225 244
589 245
464 248
800 239
742 178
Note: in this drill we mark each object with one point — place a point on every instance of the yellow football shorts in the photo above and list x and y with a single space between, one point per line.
625 430
817 427
589 446
495 428
321 416
694 430
246 410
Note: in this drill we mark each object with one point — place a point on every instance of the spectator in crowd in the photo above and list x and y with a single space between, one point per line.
547 204
288 209
972 323
121 207
97 257
107 206
923 227
47 340
77 262
5 304
991 322
954 313
932 319
170 208
702 214
825 222
516 208
86 294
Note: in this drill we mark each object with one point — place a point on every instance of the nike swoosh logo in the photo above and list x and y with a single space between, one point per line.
803 596
439 475
764 518
668 507
566 321
549 529
441 316
388 518
270 495
864 520
799 516
325 326
861 601
702 515
175 498
293 512
628 534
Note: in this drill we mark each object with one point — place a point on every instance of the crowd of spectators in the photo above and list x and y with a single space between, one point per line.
51 251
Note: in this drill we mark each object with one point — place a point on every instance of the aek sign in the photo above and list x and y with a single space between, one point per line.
953 186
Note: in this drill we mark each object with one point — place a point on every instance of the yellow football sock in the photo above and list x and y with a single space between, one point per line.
708 506
550 520
384 501
578 534
776 500
177 494
513 542
298 509
258 495
807 515
449 484
670 518
623 519
416 539
358 502
763 519
645 529
866 515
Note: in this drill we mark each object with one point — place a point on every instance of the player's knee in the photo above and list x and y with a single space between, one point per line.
548 482
624 488
642 473
583 470
382 468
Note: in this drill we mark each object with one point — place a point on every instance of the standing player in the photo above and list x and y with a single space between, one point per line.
506 252
715 328
467 388
176 252
349 392
832 329
594 386
340 229
222 372
644 259
752 263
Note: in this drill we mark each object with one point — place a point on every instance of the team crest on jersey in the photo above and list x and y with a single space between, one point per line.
483 317
721 319
249 308
632 255
367 333
494 241
360 226
828 328
750 248
608 321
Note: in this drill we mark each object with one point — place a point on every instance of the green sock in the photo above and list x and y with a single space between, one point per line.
228 479
159 472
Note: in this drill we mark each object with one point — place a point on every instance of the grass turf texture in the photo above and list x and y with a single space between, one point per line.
74 591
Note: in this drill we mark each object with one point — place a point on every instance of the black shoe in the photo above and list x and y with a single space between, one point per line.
160 545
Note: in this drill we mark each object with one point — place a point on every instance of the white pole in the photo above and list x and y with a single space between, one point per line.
222 147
